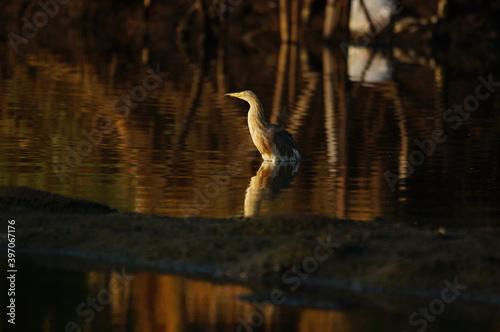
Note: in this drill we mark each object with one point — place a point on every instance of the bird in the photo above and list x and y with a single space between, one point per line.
274 143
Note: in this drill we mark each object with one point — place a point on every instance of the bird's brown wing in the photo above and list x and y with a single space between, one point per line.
284 141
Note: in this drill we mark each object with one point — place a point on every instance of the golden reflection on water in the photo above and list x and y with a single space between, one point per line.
149 301
170 303
167 303
352 124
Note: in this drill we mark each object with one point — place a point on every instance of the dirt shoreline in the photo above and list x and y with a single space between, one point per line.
372 256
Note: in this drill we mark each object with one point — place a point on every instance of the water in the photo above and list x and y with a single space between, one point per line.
185 150
115 299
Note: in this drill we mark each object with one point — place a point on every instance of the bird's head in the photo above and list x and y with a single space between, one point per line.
246 95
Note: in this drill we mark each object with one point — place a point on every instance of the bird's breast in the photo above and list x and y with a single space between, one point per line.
261 141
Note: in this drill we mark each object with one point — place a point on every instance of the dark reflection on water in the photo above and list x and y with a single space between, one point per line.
185 149
51 299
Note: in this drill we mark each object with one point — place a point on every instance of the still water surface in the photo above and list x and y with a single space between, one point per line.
181 148
149 301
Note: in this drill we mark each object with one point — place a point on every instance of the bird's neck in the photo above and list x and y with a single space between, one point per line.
256 114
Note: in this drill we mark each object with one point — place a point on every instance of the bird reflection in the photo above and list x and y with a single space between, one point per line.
266 185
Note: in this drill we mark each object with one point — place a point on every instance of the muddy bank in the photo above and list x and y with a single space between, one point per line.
360 255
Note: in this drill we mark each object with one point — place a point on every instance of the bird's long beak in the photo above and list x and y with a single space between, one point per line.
233 94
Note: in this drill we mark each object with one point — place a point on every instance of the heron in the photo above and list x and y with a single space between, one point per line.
274 143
